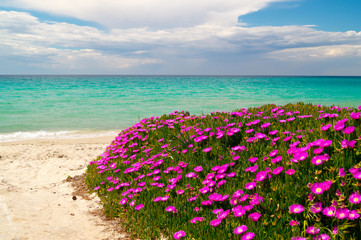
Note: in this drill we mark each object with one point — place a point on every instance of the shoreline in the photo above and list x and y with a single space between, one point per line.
36 201
20 136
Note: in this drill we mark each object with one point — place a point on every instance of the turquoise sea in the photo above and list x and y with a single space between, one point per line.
60 106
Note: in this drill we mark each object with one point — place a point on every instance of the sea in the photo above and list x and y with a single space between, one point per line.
36 107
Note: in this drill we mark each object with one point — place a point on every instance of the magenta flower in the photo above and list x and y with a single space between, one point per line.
171 209
329 211
273 132
250 185
349 130
298 238
277 171
96 188
254 216
322 237
199 219
290 172
316 208
296 208
355 198
179 234
261 175
138 207
294 223
317 160
180 191
326 127
207 149
247 236
273 153
348 144
224 214
240 229
253 159
215 222
312 230
204 190
198 169
341 172
342 213
123 201
355 115
316 188
352 215
339 127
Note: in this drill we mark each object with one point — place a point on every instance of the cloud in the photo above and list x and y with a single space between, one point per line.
154 14
201 48
317 53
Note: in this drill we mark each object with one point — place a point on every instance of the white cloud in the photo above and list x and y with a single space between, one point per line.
317 53
61 45
149 13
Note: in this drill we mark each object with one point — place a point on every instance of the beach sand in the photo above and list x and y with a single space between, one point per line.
37 201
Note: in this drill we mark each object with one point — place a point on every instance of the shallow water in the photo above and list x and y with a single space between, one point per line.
62 105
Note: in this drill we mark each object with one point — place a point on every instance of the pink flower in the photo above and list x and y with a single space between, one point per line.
316 188
326 127
296 208
171 209
180 191
355 115
290 172
207 149
204 190
348 144
316 208
339 127
273 153
198 169
138 207
341 172
355 198
342 213
352 215
294 223
179 234
240 229
249 130
253 159
254 216
273 132
123 201
349 130
329 211
317 160
312 230
277 171
250 185
261 175
215 222
247 236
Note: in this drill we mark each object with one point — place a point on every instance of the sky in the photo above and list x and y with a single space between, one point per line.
181 37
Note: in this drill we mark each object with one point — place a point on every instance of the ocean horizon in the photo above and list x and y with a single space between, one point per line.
71 106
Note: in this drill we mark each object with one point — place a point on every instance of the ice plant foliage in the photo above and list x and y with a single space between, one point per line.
271 172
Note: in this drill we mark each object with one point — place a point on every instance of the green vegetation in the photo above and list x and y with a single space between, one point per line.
272 172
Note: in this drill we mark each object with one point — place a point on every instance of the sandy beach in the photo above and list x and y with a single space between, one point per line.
36 201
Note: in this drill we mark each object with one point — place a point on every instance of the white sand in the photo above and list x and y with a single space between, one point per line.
36 203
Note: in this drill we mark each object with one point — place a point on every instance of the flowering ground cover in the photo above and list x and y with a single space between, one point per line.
272 172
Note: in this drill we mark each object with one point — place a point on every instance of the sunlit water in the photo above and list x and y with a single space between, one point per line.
59 106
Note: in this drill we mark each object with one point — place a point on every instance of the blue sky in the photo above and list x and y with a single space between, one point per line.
225 37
